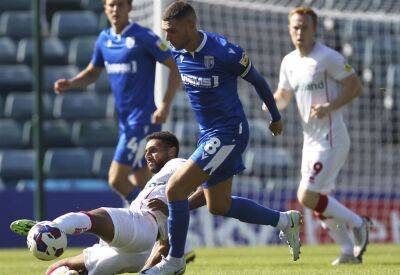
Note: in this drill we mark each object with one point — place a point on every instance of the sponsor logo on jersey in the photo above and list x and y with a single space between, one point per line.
209 61
348 68
200 82
245 60
311 86
162 45
121 68
130 42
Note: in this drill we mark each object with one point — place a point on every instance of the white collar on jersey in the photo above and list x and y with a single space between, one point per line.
118 36
201 46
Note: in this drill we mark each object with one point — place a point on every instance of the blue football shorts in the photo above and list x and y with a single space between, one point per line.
131 145
220 156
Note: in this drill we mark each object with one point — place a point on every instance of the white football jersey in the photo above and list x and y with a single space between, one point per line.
314 80
155 188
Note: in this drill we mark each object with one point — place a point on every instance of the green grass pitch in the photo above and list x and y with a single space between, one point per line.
379 259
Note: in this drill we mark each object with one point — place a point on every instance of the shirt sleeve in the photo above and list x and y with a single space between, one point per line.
97 57
157 47
337 67
283 77
237 60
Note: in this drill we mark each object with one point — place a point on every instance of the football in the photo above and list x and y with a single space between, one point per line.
46 241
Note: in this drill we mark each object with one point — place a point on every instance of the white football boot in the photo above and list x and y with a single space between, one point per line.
361 237
346 259
291 234
167 266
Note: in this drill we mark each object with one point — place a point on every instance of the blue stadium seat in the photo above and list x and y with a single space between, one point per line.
80 50
70 24
8 51
68 163
103 22
187 132
102 85
80 106
54 52
14 5
55 133
16 164
268 162
259 132
16 25
11 134
181 108
15 78
97 133
101 161
19 105
65 185
53 73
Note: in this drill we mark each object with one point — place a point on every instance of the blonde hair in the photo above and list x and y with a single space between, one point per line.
304 11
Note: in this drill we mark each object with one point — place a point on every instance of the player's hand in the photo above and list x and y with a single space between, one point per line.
161 114
276 127
320 110
158 205
61 85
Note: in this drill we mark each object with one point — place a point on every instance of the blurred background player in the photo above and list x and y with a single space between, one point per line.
209 66
127 235
322 83
129 53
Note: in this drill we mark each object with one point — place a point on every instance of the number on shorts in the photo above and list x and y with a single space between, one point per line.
132 145
317 168
212 145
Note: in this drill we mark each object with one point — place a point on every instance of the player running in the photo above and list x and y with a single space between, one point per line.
127 235
129 53
209 66
322 83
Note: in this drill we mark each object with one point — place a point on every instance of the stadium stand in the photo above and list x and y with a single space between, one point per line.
8 51
52 73
10 134
16 164
80 51
101 161
54 52
97 133
15 78
18 105
69 24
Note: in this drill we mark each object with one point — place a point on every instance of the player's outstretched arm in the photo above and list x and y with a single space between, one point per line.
264 92
73 263
174 80
352 88
80 81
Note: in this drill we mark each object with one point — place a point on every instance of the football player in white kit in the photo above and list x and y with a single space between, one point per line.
322 83
127 236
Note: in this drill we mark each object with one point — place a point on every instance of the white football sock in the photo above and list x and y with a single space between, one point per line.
340 212
74 223
340 234
283 221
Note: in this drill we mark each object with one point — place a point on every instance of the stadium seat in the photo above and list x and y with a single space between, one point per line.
54 52
80 106
187 132
8 51
11 134
259 132
65 185
55 133
103 22
98 133
102 85
1 107
13 5
16 25
15 78
53 73
80 50
181 108
93 5
19 106
70 24
16 164
101 161
68 163
268 162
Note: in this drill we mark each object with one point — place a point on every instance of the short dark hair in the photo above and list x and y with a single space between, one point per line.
129 2
304 11
179 10
167 138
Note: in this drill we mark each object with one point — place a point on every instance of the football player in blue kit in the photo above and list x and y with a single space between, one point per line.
129 53
209 66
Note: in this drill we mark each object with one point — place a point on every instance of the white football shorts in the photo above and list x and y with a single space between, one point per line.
319 168
135 235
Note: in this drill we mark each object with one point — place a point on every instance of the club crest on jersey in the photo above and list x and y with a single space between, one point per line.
209 61
130 42
109 43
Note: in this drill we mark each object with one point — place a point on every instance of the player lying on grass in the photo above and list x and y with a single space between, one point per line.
127 236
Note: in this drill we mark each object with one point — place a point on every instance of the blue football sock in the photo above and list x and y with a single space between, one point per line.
178 224
249 211
132 195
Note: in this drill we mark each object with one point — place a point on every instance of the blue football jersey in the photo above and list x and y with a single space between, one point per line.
129 59
210 77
